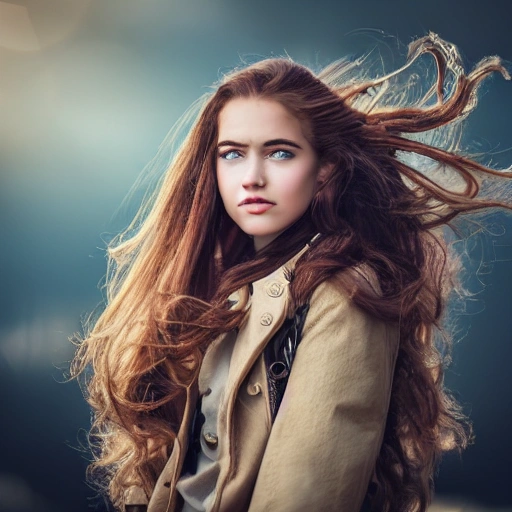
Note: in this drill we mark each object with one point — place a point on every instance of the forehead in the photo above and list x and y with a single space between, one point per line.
258 119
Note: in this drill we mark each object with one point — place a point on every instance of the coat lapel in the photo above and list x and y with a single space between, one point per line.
268 311
162 499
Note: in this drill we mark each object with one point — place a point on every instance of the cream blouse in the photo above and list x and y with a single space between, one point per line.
198 490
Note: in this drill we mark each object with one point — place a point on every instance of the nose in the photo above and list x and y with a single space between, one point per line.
255 174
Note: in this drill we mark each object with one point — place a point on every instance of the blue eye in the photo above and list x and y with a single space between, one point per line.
281 154
231 155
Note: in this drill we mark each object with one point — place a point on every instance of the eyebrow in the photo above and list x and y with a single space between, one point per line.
268 143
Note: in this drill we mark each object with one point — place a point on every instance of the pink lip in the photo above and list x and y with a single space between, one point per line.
255 200
257 208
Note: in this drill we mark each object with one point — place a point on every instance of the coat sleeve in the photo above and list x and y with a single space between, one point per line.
327 434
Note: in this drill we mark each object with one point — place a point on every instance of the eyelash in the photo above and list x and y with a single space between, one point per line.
225 154
288 154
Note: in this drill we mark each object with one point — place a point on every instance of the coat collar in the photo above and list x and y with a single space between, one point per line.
272 282
268 305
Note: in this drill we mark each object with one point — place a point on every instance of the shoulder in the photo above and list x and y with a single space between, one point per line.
334 316
337 292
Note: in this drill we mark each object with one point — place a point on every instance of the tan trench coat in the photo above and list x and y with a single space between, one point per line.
321 450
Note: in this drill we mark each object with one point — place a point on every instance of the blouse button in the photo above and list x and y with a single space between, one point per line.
211 440
254 389
266 319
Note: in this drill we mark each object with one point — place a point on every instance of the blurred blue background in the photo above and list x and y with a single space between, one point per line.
88 90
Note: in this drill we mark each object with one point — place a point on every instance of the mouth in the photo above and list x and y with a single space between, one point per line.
255 200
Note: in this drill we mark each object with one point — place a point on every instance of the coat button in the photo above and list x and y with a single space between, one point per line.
266 319
274 289
211 440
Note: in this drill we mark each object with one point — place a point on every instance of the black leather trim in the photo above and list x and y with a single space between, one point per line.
279 354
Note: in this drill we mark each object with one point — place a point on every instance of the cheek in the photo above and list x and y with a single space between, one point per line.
302 187
221 183
226 190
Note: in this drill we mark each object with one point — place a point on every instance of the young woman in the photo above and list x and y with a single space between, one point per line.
273 334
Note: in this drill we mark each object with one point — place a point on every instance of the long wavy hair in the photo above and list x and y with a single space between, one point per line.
397 178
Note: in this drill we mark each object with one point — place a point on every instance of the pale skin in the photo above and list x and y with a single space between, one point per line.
267 171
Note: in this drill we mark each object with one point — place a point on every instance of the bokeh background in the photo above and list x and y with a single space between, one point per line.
88 90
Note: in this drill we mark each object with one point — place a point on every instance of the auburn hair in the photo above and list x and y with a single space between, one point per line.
398 179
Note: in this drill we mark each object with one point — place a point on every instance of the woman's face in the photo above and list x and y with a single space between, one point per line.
267 170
